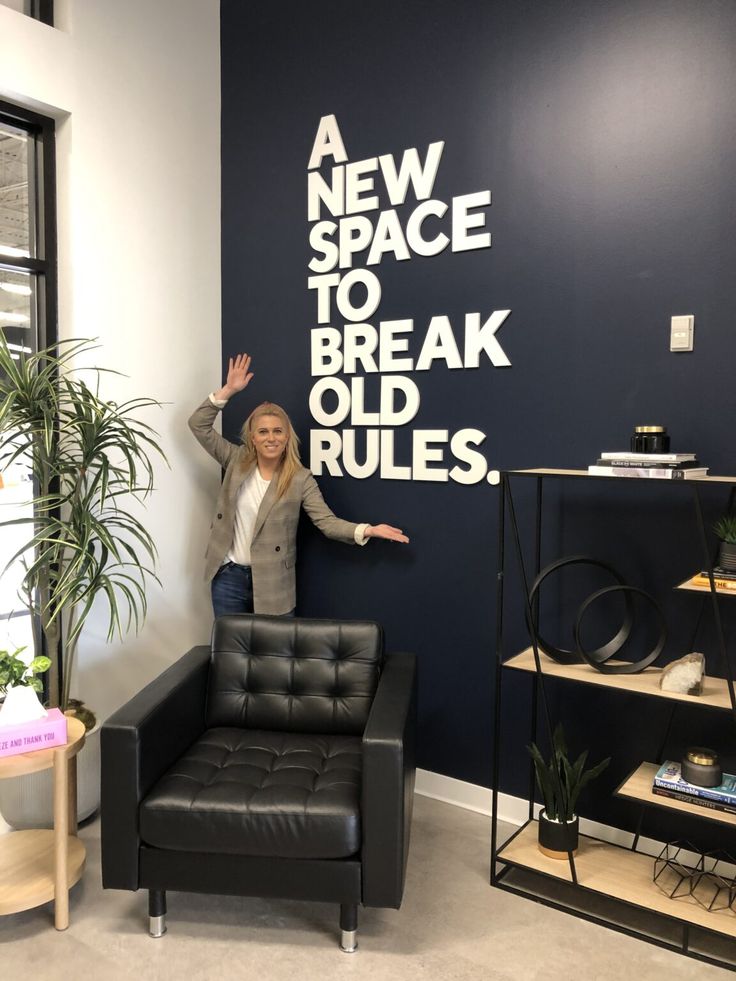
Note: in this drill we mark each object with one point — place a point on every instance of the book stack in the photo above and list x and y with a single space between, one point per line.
668 782
723 578
662 466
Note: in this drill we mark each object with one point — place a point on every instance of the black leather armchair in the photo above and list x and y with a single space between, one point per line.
280 762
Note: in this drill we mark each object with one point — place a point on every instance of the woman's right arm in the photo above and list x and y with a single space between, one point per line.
202 420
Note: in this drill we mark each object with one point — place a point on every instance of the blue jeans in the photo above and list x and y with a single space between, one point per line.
232 590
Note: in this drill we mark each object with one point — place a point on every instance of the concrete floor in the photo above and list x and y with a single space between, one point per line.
452 926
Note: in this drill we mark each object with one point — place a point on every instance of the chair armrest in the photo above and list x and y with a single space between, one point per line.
139 743
388 782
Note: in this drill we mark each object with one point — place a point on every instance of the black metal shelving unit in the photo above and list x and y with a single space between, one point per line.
606 883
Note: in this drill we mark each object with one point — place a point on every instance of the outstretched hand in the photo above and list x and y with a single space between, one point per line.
386 531
238 376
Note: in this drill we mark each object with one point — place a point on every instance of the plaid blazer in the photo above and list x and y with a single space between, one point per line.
273 548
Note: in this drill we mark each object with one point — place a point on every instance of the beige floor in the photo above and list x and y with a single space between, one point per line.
452 926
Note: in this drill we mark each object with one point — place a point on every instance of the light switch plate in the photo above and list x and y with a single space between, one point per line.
681 333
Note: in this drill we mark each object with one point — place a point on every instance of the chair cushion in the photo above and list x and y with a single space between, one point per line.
293 675
248 792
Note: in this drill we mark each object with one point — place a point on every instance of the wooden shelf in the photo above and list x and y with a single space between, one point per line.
715 690
550 472
615 872
639 787
692 588
27 871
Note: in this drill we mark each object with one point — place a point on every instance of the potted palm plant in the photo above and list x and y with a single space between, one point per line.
560 783
91 464
725 528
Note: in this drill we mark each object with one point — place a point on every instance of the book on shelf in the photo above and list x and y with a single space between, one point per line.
719 572
658 473
669 777
648 458
24 737
714 805
702 579
603 461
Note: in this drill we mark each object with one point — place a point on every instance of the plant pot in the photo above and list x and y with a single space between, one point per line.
727 556
557 838
28 802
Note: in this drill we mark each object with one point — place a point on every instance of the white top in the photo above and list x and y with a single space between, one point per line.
250 495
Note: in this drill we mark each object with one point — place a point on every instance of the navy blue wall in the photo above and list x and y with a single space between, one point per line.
607 134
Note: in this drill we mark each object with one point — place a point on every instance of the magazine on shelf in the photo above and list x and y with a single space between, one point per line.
658 473
646 458
669 777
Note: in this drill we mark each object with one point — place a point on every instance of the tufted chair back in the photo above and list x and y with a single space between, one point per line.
291 675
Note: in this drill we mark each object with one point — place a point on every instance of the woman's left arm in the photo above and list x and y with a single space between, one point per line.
333 527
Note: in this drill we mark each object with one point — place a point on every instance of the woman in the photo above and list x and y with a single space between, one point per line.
251 553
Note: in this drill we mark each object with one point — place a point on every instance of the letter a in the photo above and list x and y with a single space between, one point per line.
327 143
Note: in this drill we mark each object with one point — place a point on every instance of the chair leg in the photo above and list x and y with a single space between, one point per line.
156 912
349 927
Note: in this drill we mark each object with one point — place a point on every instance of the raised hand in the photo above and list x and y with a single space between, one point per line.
238 376
386 531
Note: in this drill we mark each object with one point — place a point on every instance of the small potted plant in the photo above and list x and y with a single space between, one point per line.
19 685
725 528
560 783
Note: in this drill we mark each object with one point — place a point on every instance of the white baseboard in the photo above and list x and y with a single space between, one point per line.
515 810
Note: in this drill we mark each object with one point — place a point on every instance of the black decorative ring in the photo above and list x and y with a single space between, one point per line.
624 667
601 654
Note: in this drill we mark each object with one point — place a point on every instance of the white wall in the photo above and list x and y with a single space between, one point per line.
135 88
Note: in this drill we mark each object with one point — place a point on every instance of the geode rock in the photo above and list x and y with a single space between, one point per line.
684 675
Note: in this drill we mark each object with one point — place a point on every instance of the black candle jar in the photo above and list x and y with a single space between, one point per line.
701 767
650 439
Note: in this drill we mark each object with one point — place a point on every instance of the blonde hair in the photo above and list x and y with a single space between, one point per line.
290 461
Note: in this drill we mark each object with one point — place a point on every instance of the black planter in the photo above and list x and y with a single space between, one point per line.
727 556
557 839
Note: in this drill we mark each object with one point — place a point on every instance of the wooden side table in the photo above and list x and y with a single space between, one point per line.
38 866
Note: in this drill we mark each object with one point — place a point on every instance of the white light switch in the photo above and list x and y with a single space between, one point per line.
681 333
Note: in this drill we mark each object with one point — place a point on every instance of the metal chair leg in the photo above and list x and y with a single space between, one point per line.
349 928
156 912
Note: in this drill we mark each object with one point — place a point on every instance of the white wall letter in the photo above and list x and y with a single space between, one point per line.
391 344
372 456
323 285
390 385
421 176
479 339
439 343
319 192
355 235
324 447
388 238
325 346
361 340
373 294
319 242
477 465
356 184
422 454
327 143
338 414
462 221
389 471
418 244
